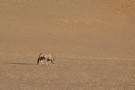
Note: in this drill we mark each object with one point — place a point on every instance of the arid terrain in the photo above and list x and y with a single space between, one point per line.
93 41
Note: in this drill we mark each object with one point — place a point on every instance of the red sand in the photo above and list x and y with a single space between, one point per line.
93 41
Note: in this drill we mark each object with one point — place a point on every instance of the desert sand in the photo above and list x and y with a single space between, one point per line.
93 41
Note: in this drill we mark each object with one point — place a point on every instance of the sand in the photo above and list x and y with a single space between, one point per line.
93 41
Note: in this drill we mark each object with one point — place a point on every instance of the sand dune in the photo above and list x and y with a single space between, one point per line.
93 34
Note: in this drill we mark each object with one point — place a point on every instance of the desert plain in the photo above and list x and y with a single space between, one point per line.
93 41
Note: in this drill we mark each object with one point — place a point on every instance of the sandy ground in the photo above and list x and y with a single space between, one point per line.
93 41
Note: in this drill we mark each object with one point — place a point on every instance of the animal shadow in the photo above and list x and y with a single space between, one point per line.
19 63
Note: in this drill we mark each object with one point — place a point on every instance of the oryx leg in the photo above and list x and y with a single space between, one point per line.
47 62
39 62
42 62
50 62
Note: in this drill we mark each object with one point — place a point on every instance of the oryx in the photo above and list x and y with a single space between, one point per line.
48 57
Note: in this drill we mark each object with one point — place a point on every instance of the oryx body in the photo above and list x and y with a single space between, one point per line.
48 57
